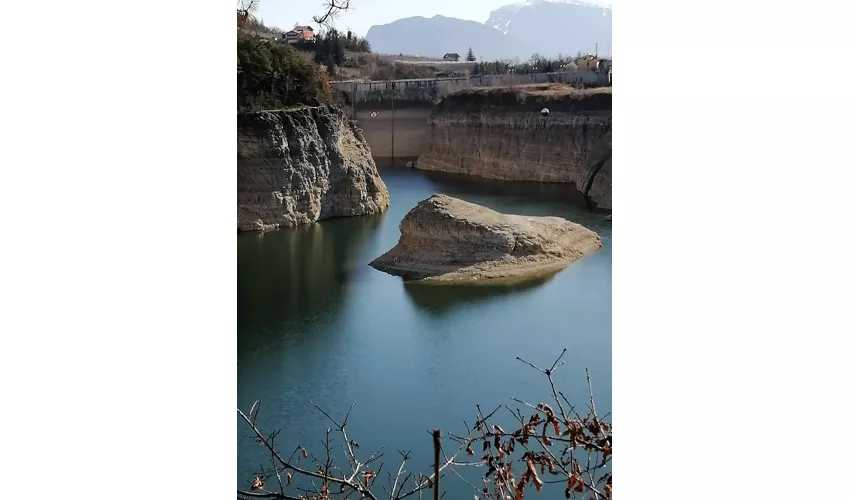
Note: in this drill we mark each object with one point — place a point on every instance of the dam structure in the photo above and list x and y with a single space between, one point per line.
393 114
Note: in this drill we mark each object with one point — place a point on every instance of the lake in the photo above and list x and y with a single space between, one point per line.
315 322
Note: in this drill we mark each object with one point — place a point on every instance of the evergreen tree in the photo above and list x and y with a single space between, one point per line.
327 50
338 48
469 55
319 54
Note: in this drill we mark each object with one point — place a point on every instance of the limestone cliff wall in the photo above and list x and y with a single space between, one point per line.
297 166
501 134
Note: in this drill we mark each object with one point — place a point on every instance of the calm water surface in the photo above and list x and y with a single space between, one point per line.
317 323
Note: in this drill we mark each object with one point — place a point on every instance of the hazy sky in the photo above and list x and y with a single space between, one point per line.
366 13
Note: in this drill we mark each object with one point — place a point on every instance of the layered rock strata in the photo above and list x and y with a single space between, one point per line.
300 165
502 133
447 240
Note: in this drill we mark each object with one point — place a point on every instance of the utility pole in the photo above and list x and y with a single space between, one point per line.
596 50
438 438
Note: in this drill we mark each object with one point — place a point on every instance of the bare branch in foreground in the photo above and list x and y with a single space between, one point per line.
332 9
545 448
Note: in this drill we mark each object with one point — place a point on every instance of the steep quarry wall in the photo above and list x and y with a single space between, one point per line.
500 133
300 165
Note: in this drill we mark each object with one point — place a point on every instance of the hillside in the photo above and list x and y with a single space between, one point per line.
258 64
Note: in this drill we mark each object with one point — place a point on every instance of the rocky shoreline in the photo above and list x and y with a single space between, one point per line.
447 240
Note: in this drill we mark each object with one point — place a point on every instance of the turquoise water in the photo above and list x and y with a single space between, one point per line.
315 322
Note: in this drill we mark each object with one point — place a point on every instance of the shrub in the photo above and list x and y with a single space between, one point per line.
274 75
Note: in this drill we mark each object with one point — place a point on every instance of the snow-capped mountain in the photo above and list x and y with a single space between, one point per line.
556 26
547 27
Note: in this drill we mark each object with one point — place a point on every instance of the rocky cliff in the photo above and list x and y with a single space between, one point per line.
447 240
300 165
500 133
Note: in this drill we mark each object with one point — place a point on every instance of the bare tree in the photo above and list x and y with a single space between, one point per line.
332 10
570 451
246 12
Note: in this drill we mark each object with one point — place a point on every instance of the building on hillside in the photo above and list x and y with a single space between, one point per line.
300 34
451 57
589 62
306 33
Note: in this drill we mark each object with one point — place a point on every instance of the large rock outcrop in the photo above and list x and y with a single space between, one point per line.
500 133
444 239
300 165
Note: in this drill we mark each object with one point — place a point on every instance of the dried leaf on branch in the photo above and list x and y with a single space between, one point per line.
584 437
258 484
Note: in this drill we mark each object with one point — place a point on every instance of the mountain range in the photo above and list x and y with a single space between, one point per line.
513 31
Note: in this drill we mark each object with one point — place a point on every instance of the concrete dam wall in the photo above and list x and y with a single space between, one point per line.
394 114
398 133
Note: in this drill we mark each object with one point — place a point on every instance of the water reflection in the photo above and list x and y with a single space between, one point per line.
354 274
438 300
301 271
540 191
514 197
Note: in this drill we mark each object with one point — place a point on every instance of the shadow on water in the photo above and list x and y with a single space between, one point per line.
510 197
542 191
438 300
481 187
300 271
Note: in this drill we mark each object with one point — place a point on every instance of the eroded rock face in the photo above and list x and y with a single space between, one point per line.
301 165
501 134
448 240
